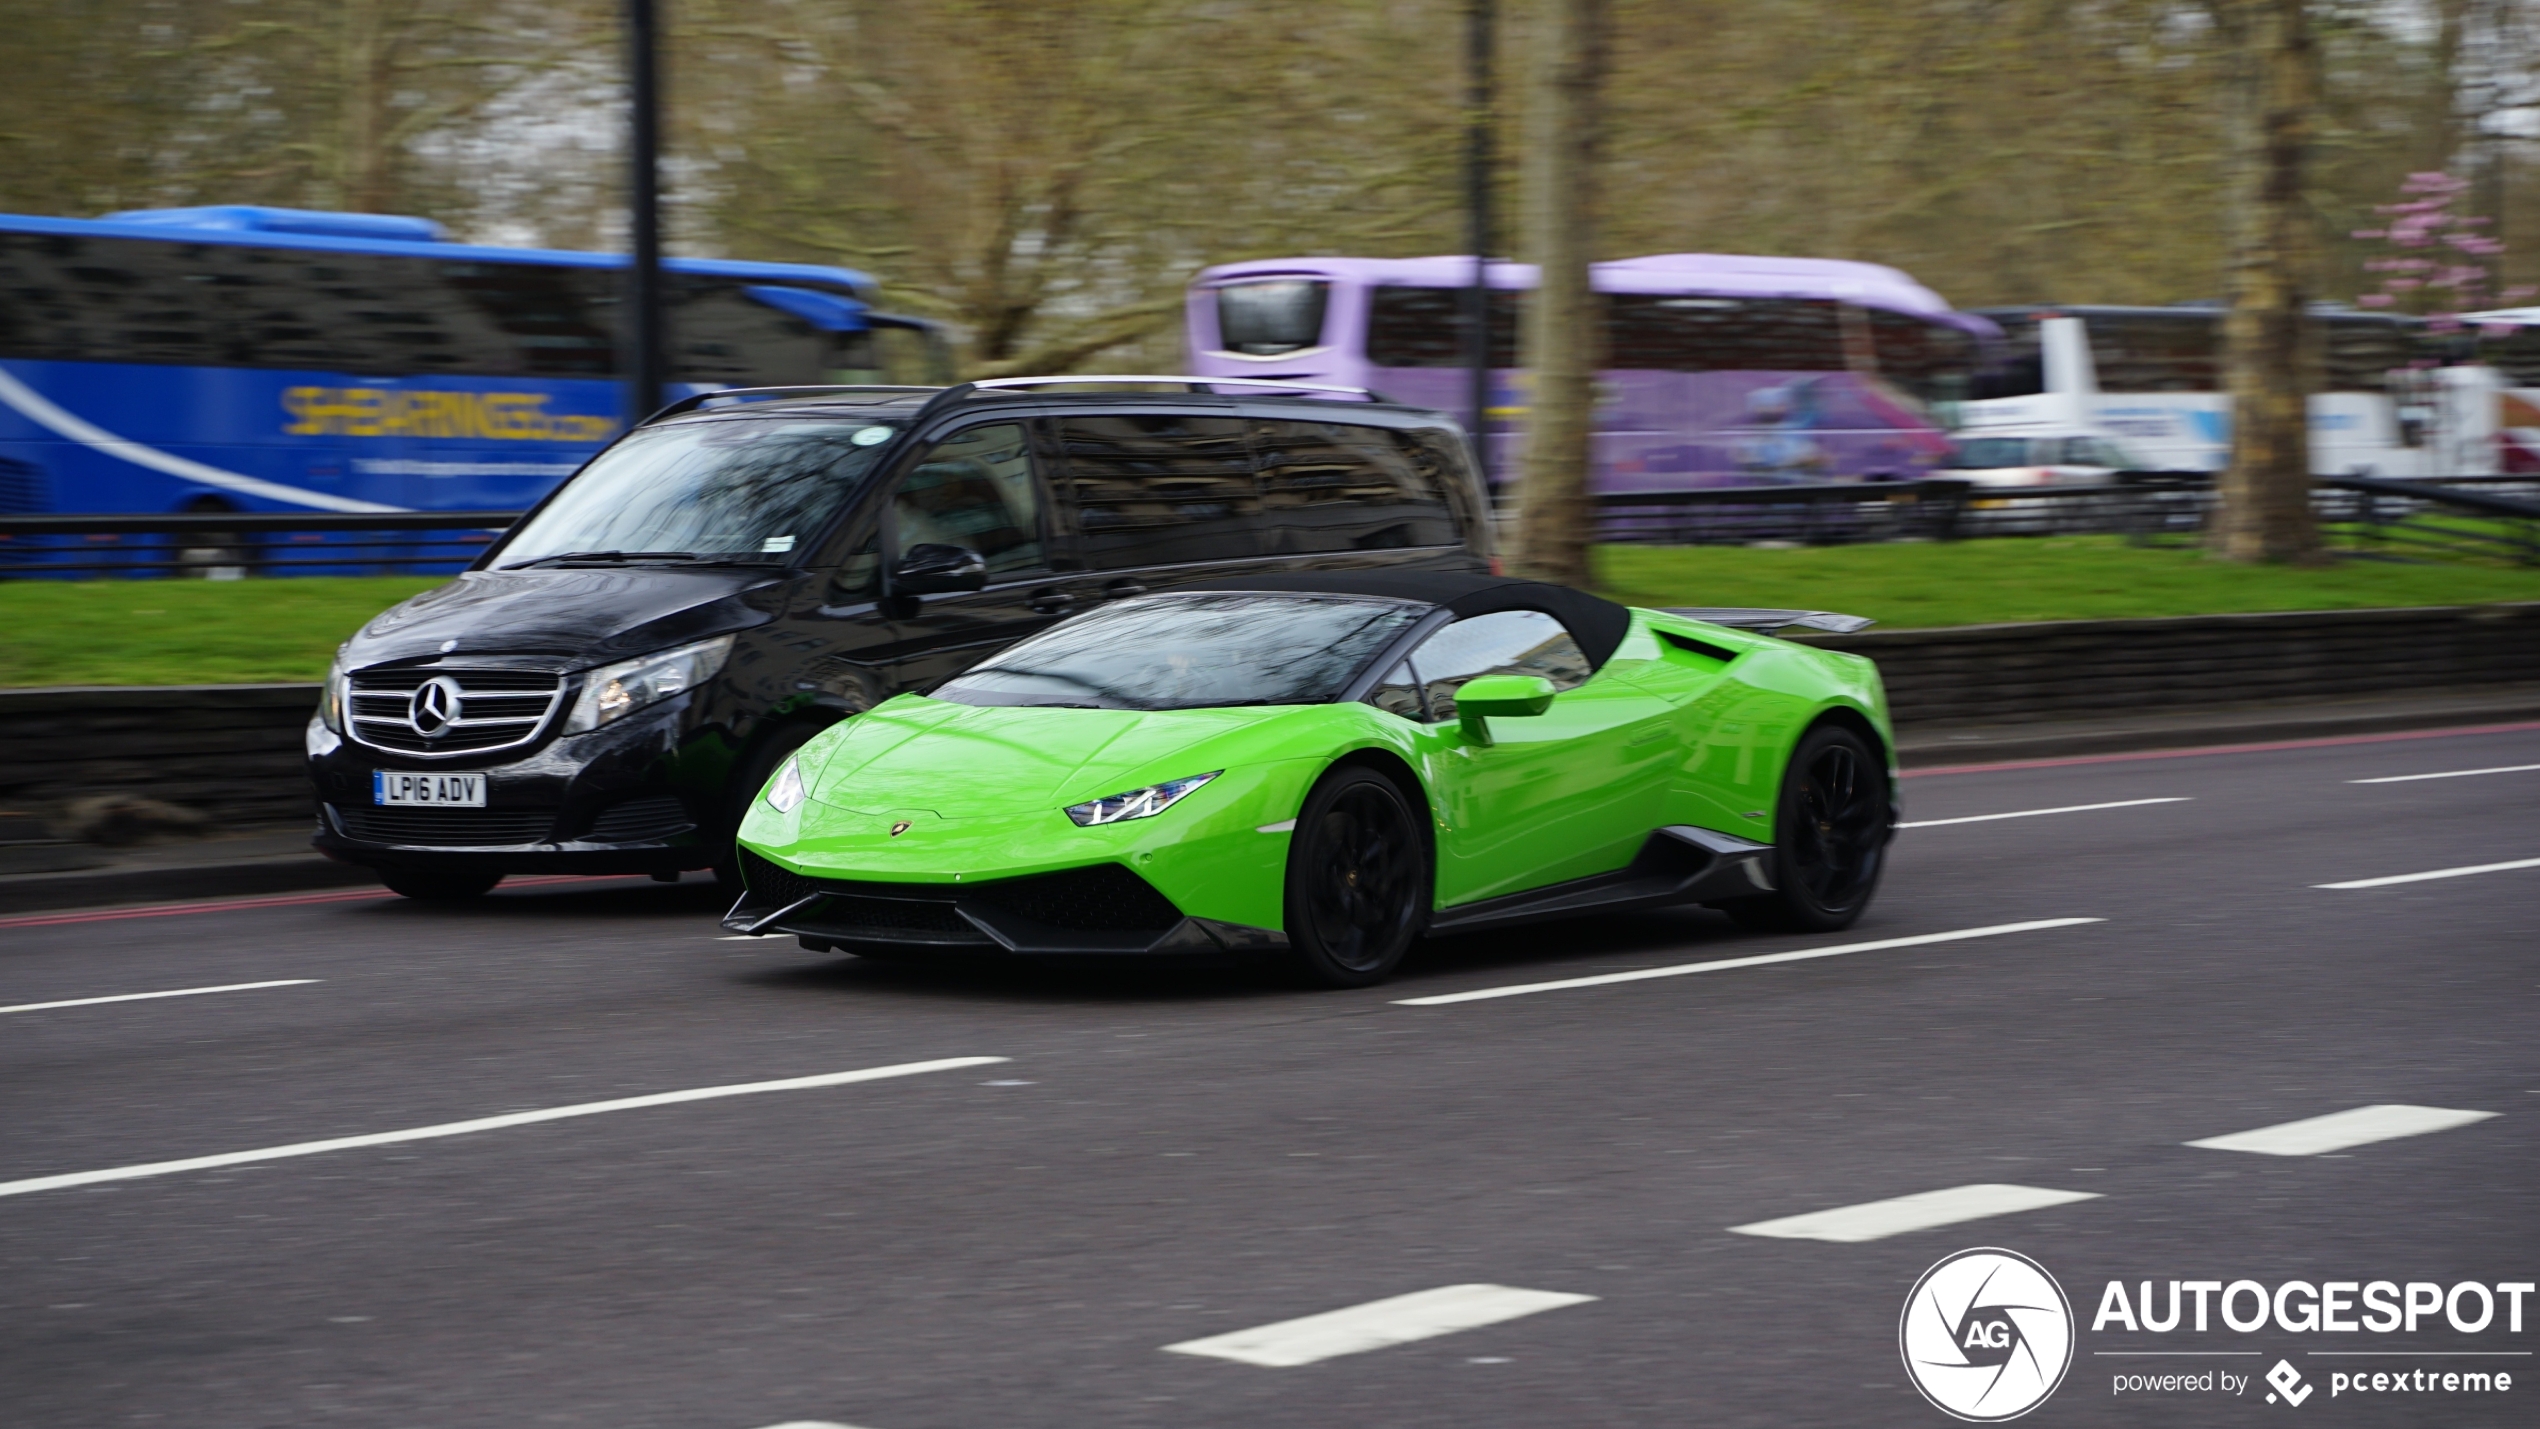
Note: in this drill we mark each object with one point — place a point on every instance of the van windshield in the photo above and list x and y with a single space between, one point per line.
740 491
1182 652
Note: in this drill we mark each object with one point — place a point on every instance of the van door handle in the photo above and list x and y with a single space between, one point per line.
1122 590
1050 601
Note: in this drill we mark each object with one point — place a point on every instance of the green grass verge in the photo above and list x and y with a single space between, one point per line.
164 632
221 632
2037 578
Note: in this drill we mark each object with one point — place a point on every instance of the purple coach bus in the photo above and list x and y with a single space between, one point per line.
1721 370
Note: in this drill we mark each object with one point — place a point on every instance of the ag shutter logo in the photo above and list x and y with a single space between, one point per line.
1987 1335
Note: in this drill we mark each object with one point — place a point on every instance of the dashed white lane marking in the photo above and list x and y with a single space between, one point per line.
1377 1324
809 1424
1724 964
483 1123
2361 1126
172 992
2033 813
2433 873
1876 1220
2447 774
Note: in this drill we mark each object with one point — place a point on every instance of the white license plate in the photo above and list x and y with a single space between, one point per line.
457 791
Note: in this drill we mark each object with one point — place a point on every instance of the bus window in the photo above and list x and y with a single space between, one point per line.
2157 352
1424 327
1656 332
2361 353
1268 318
1927 360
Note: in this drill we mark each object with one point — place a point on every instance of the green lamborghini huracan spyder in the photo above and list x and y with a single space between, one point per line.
1323 767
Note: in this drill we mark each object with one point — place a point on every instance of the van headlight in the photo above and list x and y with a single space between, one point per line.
612 692
785 791
331 703
1143 803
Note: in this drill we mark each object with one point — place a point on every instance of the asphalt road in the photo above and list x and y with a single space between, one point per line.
1164 1158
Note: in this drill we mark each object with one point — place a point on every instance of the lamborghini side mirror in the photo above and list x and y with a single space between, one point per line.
1503 696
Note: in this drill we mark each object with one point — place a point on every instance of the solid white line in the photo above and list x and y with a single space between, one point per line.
175 992
2033 813
2433 873
1876 1220
483 1123
1377 1324
1723 964
2360 1126
2447 774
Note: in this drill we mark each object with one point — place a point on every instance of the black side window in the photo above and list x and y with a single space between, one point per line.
1331 486
1398 693
1505 642
1159 490
974 489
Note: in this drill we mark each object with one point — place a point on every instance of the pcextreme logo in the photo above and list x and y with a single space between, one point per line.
1986 1334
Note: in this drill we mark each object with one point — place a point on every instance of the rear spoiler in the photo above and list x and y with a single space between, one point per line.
1772 621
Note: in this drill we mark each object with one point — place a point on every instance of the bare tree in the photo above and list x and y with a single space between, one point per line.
1565 322
2271 97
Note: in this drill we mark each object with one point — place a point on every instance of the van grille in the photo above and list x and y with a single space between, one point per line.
645 820
445 828
471 712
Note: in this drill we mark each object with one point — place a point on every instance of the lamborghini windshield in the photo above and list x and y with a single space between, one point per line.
1200 651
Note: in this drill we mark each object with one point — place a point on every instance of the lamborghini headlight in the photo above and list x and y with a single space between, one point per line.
612 691
785 791
1143 803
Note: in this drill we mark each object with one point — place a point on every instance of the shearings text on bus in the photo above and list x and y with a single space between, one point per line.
400 412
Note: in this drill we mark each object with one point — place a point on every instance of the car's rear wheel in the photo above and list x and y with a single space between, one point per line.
438 885
1830 836
1358 880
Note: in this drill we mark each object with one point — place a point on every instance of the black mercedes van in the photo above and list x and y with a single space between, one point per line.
604 690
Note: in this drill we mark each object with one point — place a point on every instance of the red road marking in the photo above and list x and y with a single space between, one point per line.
2321 743
286 900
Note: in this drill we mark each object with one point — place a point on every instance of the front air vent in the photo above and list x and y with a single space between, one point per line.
445 828
430 713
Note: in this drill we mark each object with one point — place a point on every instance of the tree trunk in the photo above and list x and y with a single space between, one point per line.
2269 359
1564 332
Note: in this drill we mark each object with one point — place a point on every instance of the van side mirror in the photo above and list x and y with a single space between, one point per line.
1503 696
931 569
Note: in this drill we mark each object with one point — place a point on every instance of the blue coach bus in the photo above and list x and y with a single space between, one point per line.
239 358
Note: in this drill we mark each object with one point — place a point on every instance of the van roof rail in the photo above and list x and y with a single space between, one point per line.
692 403
1194 383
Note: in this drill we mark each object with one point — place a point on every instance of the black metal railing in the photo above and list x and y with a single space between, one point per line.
2448 518
227 543
1818 514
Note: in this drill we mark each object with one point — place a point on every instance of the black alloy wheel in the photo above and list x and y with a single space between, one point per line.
1830 836
1358 880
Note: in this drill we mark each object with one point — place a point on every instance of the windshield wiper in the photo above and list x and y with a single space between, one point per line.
619 558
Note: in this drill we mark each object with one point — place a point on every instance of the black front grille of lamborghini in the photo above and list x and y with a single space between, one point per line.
1105 898
445 828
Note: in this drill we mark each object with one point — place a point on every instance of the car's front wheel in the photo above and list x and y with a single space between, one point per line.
1358 880
1829 836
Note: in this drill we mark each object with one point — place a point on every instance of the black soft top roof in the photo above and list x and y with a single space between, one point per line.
1597 623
